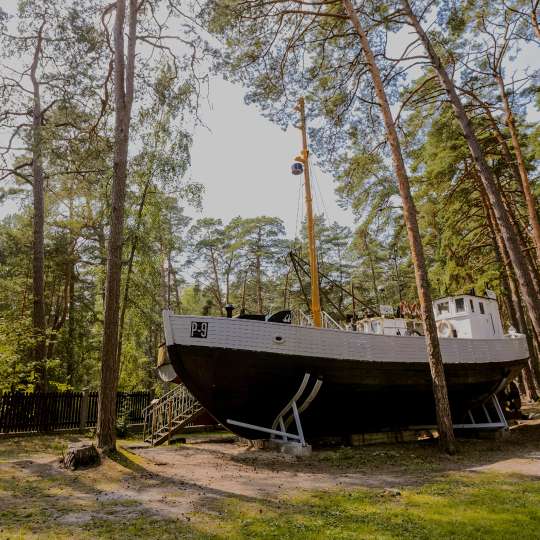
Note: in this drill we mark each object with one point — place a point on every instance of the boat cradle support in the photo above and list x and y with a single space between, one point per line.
490 422
289 413
495 420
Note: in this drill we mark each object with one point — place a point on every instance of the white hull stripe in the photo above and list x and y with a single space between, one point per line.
241 334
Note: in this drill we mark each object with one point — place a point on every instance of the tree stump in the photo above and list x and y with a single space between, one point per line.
81 454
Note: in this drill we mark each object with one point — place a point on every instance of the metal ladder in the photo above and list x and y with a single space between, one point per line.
166 416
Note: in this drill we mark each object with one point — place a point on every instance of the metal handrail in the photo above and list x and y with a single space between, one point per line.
303 319
327 319
307 320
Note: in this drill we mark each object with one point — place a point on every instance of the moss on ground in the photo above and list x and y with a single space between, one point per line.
436 496
16 446
467 505
460 505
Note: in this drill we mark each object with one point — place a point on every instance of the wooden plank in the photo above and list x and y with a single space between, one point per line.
361 439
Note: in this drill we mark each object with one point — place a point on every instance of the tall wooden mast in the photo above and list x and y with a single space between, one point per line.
313 264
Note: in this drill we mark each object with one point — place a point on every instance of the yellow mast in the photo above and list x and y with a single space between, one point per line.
313 265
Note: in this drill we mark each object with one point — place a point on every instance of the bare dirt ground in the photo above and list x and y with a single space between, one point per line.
212 470
175 481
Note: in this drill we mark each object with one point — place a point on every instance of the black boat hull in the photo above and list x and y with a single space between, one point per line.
355 397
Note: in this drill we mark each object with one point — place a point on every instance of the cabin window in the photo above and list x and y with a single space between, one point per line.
376 327
472 306
443 307
481 306
460 305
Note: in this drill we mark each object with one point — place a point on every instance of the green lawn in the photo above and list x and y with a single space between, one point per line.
442 499
473 505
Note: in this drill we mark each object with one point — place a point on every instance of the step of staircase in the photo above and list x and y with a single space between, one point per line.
169 415
164 434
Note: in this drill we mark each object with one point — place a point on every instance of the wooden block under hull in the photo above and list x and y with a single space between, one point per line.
362 439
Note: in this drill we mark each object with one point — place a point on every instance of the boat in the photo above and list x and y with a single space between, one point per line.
247 370
369 376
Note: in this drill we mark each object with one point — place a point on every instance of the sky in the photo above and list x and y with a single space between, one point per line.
244 161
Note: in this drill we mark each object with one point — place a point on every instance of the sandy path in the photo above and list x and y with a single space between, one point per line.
232 470
173 481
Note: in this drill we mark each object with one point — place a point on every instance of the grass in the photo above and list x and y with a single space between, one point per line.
472 505
13 447
40 501
461 505
435 496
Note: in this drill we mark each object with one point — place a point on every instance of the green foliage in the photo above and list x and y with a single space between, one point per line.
199 267
16 368
122 421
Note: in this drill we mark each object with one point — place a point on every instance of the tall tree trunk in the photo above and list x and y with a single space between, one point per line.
124 75
440 392
38 255
217 287
176 285
522 269
163 274
534 350
70 350
228 284
531 371
525 184
127 281
534 18
372 269
243 302
258 283
515 308
524 389
61 310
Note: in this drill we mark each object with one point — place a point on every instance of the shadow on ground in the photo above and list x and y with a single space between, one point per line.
489 489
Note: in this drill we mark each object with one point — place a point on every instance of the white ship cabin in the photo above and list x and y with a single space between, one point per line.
468 316
390 326
463 316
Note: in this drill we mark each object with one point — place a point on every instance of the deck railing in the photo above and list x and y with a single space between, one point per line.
302 319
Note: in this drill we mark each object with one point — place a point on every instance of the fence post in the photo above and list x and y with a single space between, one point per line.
85 401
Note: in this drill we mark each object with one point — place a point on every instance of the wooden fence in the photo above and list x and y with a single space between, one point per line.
49 411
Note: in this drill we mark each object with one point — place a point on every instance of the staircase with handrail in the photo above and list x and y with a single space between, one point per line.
166 416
